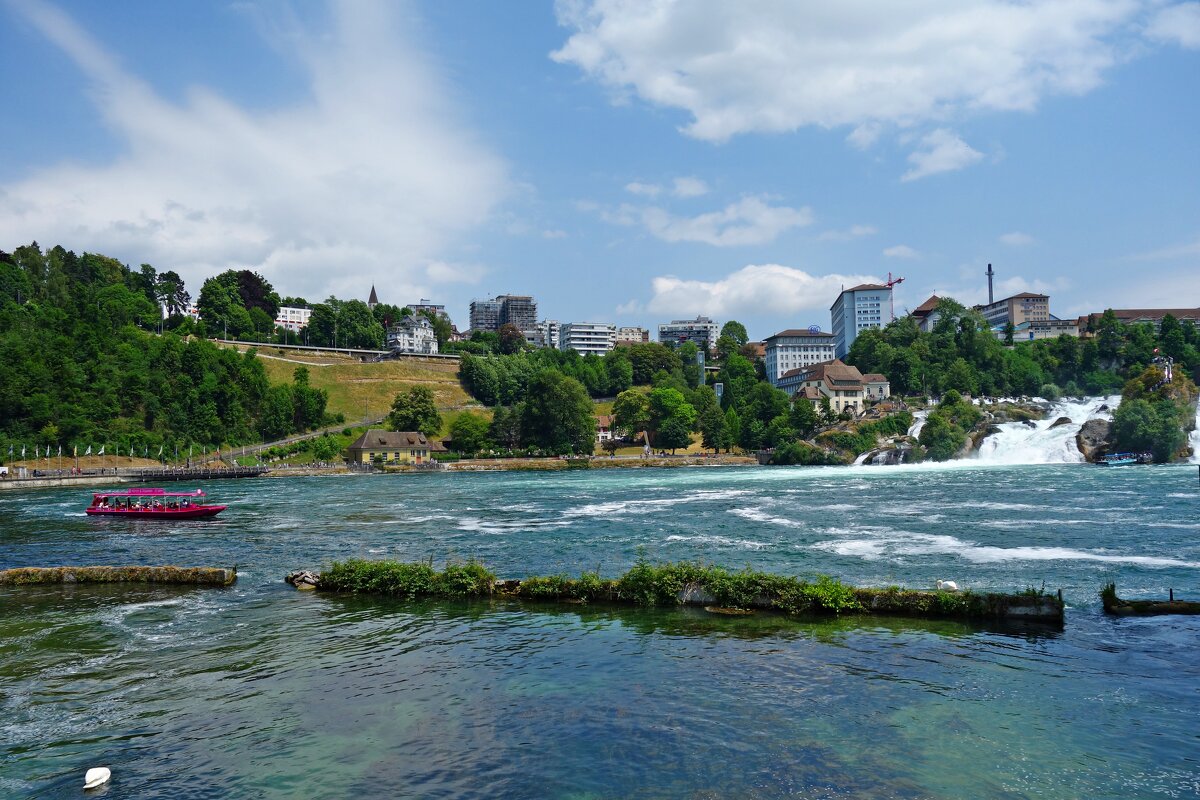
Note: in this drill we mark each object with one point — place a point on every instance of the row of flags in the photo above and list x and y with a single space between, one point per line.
38 452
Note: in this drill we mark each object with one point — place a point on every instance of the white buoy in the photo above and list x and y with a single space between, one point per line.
96 777
947 586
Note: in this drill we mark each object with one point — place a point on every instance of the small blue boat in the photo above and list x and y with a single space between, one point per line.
1123 459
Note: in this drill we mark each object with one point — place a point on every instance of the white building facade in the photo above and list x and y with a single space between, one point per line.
548 333
413 334
594 338
632 335
865 306
292 318
793 348
701 330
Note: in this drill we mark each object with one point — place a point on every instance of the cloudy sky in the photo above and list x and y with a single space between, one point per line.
627 161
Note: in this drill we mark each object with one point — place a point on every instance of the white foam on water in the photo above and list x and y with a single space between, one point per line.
722 541
423 518
1018 443
477 525
919 418
1194 438
760 515
615 507
901 543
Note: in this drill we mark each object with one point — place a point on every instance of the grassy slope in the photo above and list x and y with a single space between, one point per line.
354 386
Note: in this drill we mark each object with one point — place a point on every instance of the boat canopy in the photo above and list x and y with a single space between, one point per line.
142 492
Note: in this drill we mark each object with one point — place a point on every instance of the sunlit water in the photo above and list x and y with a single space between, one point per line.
260 691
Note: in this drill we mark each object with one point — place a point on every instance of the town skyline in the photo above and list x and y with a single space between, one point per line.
457 153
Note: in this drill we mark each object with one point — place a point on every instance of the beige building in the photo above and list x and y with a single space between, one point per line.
1023 307
876 387
393 447
841 383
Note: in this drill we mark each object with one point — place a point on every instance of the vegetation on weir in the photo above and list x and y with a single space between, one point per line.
199 576
672 584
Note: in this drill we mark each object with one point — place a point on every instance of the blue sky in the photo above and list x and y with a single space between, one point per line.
629 162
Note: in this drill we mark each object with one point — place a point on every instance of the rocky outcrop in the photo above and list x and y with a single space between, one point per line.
1058 423
304 580
1092 439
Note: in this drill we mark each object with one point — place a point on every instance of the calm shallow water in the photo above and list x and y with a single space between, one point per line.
259 691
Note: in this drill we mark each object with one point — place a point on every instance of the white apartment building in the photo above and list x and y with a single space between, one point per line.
867 305
412 334
793 349
595 338
548 333
701 330
292 318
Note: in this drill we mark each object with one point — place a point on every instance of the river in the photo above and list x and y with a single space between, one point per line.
260 691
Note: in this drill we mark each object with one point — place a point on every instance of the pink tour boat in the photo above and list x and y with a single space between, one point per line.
152 504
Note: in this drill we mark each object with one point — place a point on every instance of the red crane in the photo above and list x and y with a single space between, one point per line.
890 283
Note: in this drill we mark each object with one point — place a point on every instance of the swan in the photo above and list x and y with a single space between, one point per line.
96 777
948 586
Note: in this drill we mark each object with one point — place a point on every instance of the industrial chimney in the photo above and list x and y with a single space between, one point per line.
991 299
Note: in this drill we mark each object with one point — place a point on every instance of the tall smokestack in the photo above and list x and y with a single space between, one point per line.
990 274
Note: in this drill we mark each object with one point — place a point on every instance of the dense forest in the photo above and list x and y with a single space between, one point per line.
89 359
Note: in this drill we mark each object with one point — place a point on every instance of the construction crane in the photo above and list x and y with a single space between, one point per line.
890 283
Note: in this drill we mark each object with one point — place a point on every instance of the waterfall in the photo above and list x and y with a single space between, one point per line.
1194 439
1038 442
918 423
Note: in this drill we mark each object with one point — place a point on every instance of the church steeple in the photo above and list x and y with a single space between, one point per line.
373 300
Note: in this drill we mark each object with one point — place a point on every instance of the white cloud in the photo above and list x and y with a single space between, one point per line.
643 189
1016 239
767 66
754 289
554 234
1179 24
366 179
689 187
901 251
444 272
749 221
853 232
943 151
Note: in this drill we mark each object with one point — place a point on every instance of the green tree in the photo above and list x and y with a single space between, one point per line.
804 418
511 339
714 433
735 331
469 432
631 412
674 432
505 429
557 414
415 410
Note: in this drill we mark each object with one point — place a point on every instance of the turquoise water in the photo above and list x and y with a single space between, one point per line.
260 691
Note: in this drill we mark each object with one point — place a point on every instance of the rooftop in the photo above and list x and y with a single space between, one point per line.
798 332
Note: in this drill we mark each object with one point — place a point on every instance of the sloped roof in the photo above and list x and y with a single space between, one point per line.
374 298
862 287
835 373
605 420
926 308
376 439
874 377
808 393
798 332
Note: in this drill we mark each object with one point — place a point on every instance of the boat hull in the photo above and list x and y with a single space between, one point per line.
195 512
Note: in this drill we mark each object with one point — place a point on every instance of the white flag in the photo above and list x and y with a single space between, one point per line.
60 451
89 451
22 451
160 448
101 451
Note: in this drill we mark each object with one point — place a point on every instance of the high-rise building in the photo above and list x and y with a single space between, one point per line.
517 309
856 310
548 331
485 315
701 330
594 338
793 349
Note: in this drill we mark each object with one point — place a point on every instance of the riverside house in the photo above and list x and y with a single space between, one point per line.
841 383
393 447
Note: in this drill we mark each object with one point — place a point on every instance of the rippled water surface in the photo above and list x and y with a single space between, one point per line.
260 691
